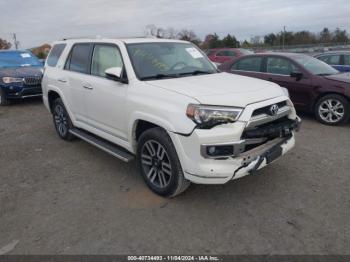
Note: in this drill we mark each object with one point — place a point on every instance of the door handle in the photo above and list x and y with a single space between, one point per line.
87 86
62 80
270 79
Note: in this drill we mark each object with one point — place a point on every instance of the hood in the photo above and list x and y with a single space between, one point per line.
222 89
21 71
344 77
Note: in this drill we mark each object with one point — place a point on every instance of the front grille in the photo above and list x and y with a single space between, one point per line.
32 81
278 128
266 109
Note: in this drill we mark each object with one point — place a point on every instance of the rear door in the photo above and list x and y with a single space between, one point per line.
278 70
76 75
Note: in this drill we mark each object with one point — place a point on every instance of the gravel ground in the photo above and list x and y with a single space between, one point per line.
60 197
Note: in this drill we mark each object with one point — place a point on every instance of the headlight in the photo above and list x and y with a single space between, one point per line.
285 90
210 116
9 80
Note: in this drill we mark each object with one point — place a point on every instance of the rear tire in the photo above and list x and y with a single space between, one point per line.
61 120
159 164
332 109
3 100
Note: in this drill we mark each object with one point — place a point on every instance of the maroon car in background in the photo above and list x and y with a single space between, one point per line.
313 85
222 55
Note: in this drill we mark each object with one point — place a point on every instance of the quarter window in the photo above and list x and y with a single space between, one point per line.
79 60
104 57
248 64
55 54
280 66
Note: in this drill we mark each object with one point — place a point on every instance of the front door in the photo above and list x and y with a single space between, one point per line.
105 98
279 69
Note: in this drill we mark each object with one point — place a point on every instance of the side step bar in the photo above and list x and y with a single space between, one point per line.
104 145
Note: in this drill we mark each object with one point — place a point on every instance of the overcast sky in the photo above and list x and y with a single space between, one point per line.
41 21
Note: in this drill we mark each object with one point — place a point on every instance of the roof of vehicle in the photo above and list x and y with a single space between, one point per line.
333 53
13 51
290 55
125 40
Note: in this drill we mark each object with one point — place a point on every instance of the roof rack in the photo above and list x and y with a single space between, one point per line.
100 37
82 37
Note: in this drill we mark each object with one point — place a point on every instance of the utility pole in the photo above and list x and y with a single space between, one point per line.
283 37
15 41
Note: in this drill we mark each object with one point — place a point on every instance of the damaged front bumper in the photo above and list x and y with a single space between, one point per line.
202 169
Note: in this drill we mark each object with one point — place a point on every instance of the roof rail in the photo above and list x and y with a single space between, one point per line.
82 37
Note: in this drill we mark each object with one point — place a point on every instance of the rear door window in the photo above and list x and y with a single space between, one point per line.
252 64
55 54
79 58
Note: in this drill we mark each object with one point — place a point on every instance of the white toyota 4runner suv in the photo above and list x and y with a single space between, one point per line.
165 103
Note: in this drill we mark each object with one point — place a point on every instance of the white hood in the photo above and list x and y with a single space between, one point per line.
222 89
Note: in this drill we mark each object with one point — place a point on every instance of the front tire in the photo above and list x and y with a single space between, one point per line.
3 100
159 163
332 109
61 120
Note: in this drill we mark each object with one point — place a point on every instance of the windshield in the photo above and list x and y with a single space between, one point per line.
18 59
168 60
316 66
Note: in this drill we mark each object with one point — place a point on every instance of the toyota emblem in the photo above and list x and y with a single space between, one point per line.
274 110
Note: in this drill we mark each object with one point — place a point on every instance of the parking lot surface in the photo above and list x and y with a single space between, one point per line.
60 197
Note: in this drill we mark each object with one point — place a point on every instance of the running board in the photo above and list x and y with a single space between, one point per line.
102 144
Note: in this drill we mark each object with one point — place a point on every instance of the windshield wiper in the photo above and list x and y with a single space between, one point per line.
196 72
158 76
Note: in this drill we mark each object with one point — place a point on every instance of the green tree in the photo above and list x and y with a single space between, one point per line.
230 41
340 36
325 36
270 39
4 44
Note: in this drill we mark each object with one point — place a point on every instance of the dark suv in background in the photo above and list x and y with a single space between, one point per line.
313 85
20 75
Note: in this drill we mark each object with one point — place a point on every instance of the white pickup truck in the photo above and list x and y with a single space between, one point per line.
163 102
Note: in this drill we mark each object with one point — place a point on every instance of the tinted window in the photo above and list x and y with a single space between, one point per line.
315 66
248 64
79 58
280 66
55 54
347 60
104 57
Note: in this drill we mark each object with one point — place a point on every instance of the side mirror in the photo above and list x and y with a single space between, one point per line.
297 75
114 73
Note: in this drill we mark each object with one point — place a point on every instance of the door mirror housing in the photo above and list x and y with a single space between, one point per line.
297 75
114 73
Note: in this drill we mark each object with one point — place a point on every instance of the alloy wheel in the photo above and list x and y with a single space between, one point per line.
331 111
61 120
156 163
